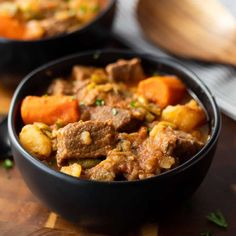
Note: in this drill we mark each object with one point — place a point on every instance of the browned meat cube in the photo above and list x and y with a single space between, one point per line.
152 160
122 119
60 87
121 161
177 143
90 139
125 70
117 162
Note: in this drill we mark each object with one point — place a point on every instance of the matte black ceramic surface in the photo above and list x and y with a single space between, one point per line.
111 203
17 56
5 149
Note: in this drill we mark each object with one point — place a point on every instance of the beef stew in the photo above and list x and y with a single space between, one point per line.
114 123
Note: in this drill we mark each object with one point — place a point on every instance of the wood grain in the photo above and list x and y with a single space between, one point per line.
5 99
189 28
8 83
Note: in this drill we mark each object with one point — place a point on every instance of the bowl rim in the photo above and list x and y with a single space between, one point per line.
85 27
215 129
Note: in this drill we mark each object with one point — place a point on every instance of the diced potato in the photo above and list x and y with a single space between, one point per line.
186 117
73 170
35 141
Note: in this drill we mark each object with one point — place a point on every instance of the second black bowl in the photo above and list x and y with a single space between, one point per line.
20 57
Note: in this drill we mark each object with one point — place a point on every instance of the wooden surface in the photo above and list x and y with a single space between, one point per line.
22 214
189 28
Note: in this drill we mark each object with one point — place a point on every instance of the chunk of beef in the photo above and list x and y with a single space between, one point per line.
84 112
177 143
60 87
117 162
83 92
147 162
90 139
122 119
147 157
87 96
122 160
152 160
125 70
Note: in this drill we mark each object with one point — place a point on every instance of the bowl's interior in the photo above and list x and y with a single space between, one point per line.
37 82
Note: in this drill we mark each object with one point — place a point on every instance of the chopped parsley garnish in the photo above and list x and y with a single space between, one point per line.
8 164
218 219
114 111
99 102
133 104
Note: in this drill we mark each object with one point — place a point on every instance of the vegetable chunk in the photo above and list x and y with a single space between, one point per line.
163 90
35 141
50 109
11 28
73 170
186 117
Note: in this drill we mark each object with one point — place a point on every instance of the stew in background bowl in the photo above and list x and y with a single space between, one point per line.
33 20
19 57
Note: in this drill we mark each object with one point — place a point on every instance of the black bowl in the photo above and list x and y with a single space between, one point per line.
20 57
111 203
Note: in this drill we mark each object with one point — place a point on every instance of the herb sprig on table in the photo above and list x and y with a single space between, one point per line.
218 219
7 164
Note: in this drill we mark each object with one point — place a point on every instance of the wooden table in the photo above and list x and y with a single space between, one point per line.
22 214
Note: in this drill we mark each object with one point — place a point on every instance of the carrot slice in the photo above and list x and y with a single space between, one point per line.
50 109
163 90
11 28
